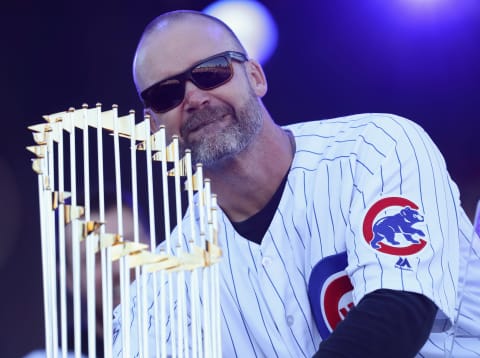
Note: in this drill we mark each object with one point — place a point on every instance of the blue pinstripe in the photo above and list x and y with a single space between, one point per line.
283 303
307 223
280 255
235 295
232 341
264 324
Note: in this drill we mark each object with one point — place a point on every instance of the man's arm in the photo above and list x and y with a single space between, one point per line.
385 323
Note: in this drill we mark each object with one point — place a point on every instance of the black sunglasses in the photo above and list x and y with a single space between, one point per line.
207 74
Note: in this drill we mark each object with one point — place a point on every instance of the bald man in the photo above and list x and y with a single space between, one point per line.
231 133
366 197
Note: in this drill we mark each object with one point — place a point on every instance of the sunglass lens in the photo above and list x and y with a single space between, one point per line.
170 93
166 95
212 73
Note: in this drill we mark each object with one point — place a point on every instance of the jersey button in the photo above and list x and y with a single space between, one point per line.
290 320
266 261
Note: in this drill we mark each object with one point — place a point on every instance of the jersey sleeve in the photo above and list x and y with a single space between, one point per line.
403 216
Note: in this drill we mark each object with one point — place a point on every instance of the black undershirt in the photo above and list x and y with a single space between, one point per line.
385 323
255 227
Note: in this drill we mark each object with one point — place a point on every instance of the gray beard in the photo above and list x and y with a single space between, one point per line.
213 150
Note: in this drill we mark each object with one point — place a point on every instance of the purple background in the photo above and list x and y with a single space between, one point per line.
418 59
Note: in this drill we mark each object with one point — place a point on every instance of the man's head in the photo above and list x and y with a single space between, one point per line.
215 123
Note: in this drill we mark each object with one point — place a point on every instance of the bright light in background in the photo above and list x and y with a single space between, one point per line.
436 10
428 5
253 24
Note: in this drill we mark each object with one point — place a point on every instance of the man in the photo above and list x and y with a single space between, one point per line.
368 194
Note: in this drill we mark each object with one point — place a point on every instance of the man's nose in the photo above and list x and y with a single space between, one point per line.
195 97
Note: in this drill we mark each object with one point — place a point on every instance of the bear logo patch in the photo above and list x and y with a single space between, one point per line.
394 232
387 227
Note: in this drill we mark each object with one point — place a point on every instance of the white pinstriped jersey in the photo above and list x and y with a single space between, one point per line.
349 182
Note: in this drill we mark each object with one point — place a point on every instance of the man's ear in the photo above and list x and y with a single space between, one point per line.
257 78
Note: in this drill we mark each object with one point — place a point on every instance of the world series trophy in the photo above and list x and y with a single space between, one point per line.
62 172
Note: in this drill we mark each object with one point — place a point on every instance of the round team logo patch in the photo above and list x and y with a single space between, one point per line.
388 227
330 293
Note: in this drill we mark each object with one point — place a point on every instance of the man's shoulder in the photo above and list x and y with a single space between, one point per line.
384 127
388 121
367 137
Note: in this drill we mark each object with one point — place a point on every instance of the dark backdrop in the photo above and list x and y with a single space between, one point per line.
335 57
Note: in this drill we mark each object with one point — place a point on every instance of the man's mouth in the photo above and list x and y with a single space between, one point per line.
198 125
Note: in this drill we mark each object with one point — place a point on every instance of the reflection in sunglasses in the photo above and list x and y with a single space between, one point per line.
207 74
